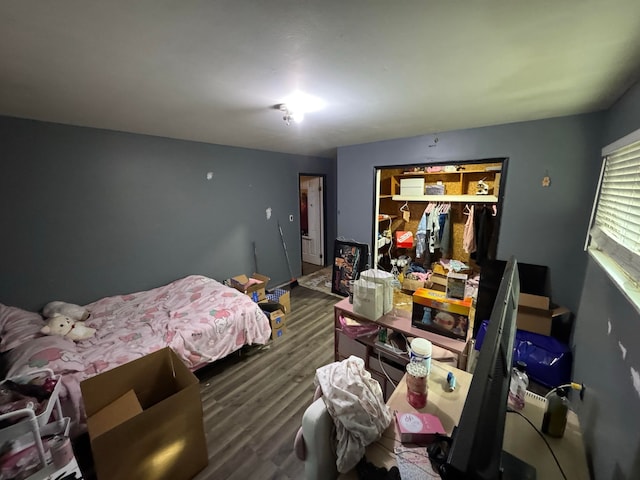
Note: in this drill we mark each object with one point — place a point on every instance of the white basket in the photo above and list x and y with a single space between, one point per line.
52 401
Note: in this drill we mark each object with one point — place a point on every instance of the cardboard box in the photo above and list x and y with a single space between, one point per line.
255 286
412 187
165 440
277 319
278 332
412 285
282 296
456 285
117 412
536 315
437 282
419 427
404 239
433 311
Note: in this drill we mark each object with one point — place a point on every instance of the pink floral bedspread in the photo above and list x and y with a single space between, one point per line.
201 319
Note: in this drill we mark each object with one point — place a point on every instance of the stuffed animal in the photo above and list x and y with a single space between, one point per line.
75 312
67 328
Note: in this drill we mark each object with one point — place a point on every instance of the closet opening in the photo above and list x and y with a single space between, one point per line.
433 220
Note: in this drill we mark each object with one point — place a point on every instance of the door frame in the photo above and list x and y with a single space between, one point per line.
323 216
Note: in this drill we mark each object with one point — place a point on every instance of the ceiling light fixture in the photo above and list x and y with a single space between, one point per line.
296 105
289 114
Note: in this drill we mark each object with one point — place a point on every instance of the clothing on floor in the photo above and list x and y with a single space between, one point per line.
368 471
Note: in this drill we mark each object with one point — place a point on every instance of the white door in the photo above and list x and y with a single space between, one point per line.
312 244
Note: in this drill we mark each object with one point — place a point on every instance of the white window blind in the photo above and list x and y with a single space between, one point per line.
615 229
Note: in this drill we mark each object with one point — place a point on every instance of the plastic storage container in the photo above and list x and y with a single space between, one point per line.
417 386
555 414
518 386
420 350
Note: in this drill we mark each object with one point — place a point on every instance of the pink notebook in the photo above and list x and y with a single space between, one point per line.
418 427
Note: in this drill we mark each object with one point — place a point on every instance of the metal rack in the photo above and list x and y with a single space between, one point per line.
36 426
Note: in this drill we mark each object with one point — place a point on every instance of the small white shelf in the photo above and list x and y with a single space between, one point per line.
447 198
31 428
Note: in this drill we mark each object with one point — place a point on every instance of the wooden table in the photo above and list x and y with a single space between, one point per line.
520 439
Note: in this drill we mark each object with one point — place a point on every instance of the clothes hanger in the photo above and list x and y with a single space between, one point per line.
406 213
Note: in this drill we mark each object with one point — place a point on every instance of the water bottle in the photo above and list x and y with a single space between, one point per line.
555 414
518 386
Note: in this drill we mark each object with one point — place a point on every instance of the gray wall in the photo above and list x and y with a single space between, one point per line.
610 412
88 213
543 226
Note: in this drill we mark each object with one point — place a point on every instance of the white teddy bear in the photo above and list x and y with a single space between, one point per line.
75 312
67 328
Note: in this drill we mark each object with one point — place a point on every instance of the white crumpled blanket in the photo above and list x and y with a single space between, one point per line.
356 404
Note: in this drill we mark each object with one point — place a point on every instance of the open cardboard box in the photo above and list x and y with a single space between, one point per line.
411 284
282 296
437 282
145 420
277 319
255 286
537 315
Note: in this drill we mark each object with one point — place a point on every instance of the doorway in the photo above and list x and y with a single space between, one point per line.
312 222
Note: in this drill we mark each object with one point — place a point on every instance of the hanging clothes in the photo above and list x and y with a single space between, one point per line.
483 221
421 235
433 230
446 236
468 236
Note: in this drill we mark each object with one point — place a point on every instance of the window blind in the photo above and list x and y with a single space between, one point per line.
616 223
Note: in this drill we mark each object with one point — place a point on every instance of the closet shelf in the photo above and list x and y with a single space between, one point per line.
447 198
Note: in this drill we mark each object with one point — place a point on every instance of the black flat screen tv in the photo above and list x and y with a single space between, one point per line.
476 447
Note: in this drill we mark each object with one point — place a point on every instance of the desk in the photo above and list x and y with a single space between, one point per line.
520 439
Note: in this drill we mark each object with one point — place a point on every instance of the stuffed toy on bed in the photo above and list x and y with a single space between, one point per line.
75 312
66 327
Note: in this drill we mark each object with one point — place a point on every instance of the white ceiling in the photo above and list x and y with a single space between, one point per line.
211 70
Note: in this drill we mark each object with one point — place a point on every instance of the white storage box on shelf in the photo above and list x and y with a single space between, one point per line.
29 429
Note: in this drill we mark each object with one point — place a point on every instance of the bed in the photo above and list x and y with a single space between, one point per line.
201 319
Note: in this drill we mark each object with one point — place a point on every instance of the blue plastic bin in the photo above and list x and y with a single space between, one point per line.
548 360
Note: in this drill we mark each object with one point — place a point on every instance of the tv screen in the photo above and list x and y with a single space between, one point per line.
476 447
534 279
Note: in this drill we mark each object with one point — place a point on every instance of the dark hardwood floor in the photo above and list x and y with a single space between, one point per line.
308 268
253 401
